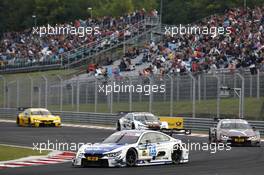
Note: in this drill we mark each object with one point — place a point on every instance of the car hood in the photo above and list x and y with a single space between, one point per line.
101 148
238 132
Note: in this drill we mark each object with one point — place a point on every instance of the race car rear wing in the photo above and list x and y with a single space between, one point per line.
22 108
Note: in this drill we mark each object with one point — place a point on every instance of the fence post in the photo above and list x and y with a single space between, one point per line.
193 94
17 93
235 83
95 94
258 84
250 85
171 95
111 96
8 97
46 90
164 94
31 90
140 94
130 94
204 86
4 91
61 91
86 93
199 88
72 95
218 97
178 87
39 97
242 95
78 95
150 95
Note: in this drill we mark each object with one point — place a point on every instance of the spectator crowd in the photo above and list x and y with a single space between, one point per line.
25 47
242 49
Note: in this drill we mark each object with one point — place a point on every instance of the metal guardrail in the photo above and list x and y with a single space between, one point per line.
195 124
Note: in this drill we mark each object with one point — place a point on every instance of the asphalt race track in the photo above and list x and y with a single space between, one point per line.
239 160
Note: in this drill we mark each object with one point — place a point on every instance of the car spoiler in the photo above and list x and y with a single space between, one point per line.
217 119
126 112
22 108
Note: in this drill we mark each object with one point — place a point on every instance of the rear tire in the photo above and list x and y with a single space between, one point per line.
131 158
176 155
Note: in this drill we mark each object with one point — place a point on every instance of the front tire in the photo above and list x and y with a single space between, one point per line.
176 155
18 121
118 127
131 158
29 122
133 126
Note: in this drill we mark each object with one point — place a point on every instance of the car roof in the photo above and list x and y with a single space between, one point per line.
140 132
234 121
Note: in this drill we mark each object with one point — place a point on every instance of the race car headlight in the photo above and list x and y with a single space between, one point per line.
56 121
114 154
253 138
224 137
36 121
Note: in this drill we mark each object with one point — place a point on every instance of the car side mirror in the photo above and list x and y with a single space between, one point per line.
147 142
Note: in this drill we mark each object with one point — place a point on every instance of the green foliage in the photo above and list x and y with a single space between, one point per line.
17 15
188 11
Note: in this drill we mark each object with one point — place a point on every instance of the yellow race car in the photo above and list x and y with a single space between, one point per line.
37 117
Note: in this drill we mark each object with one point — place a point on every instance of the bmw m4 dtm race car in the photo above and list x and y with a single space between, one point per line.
235 132
132 148
36 117
148 121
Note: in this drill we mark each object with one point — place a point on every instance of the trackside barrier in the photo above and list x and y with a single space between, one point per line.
195 124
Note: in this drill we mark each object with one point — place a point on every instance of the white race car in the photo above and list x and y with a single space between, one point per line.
140 120
132 148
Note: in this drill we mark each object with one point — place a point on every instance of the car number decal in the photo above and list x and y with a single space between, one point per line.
152 150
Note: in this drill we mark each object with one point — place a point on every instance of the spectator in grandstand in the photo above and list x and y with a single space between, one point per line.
242 49
24 47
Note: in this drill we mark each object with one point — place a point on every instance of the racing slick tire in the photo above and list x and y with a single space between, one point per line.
29 122
131 157
176 155
210 139
118 126
133 126
188 132
17 121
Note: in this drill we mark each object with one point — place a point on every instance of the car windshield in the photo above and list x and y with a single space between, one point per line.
151 118
229 125
122 138
40 113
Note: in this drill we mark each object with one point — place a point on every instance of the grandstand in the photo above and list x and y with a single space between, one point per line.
242 49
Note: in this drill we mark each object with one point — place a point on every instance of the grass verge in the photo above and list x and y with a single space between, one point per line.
204 108
12 153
